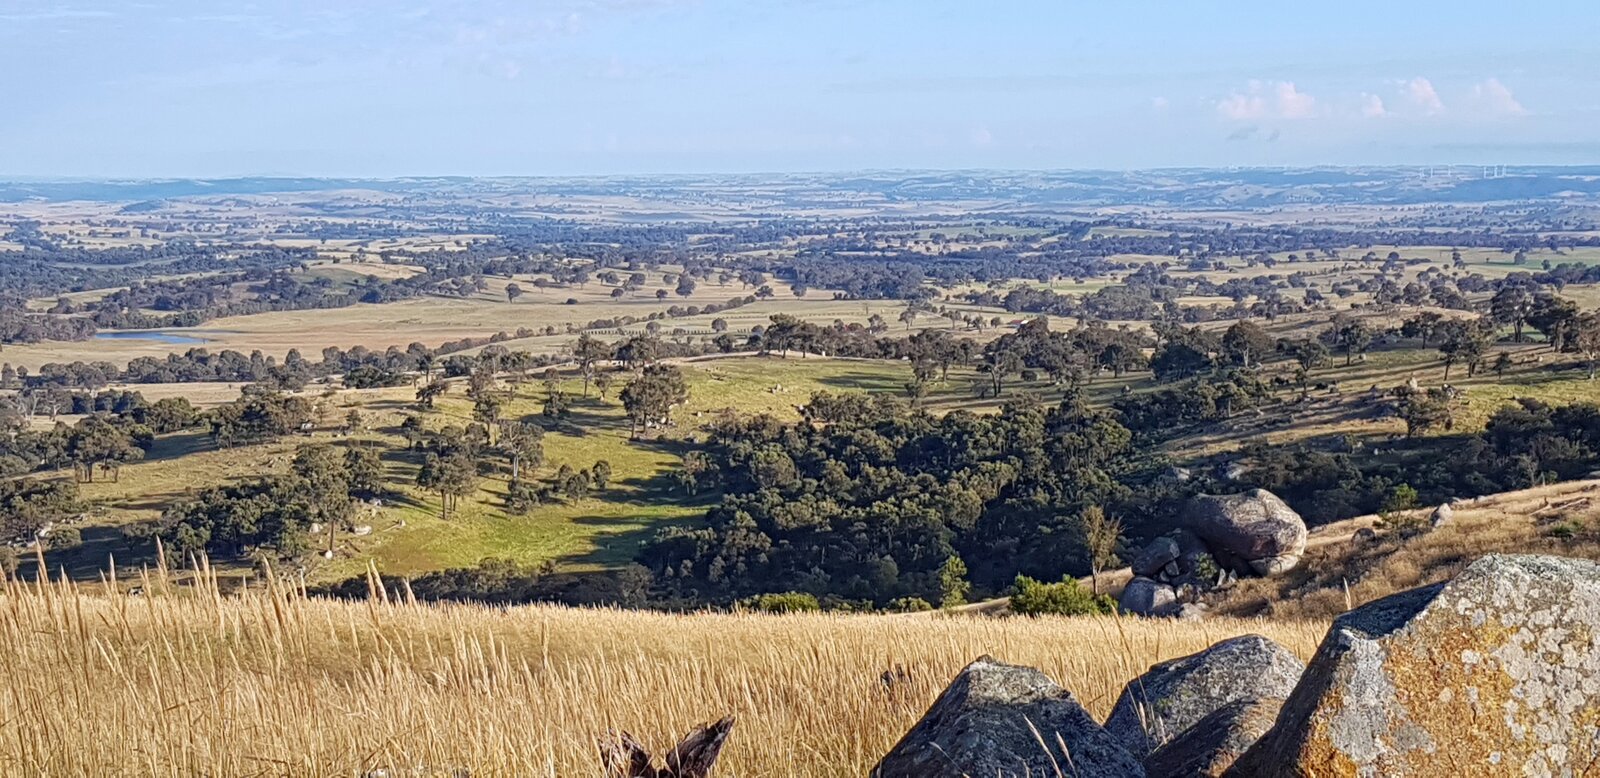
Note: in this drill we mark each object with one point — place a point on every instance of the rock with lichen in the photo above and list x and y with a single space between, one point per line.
1004 721
1496 672
1210 747
1172 696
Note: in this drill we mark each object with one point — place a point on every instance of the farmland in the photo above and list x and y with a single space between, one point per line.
409 336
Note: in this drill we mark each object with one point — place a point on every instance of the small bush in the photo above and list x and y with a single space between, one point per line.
63 538
785 602
910 605
1206 568
1067 598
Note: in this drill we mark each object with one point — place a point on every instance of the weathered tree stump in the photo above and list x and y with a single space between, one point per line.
693 757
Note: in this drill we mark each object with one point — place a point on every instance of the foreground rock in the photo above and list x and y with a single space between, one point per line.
998 721
1255 528
1494 673
1175 695
1210 747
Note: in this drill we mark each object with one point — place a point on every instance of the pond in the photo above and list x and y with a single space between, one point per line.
160 336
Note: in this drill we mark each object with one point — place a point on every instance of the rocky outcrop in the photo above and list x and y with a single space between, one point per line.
1210 747
1174 695
1192 552
1156 555
1496 672
998 720
1146 597
1253 530
1442 515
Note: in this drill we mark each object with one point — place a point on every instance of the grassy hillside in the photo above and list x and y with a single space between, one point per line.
409 537
196 683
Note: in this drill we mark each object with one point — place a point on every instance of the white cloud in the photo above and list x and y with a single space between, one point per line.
1372 106
982 137
1277 99
1244 106
1496 98
1422 94
1159 103
1292 103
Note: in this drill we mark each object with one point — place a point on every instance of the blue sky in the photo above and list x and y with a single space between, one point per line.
125 88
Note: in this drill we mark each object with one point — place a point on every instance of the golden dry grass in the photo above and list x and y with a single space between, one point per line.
268 683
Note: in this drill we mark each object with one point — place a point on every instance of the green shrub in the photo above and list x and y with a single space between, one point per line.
63 538
1067 598
785 602
910 605
1206 568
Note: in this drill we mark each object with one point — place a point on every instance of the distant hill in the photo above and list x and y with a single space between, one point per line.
1186 187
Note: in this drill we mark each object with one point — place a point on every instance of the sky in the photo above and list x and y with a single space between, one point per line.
209 88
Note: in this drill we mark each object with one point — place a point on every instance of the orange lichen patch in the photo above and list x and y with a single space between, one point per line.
1495 673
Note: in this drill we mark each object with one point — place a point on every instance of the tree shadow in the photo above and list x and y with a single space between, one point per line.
617 540
178 444
90 560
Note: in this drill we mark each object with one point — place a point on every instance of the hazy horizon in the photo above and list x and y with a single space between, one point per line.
187 89
1465 169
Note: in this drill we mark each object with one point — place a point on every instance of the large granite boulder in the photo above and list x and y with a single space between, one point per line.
990 721
1210 747
1145 597
1496 672
1174 695
1255 528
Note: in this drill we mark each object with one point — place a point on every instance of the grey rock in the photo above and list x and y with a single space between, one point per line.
1442 515
1255 527
1214 743
1145 597
1154 556
1192 551
1170 571
1273 565
1496 672
990 722
1365 535
1174 695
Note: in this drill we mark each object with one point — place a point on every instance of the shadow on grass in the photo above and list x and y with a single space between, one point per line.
89 560
618 540
178 444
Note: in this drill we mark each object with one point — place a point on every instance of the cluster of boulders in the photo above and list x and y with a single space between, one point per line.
1496 672
1221 537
